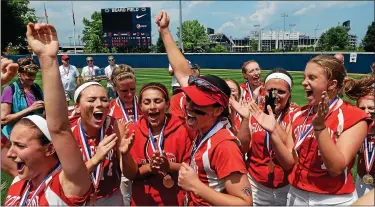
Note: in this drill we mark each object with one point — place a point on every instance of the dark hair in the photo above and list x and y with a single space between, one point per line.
237 86
154 85
43 140
283 71
280 70
223 86
27 65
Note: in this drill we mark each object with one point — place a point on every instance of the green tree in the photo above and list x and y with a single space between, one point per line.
93 34
218 49
368 41
194 36
14 17
254 44
335 37
160 45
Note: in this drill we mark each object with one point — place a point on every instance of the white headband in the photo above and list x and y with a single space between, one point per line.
281 76
41 123
82 87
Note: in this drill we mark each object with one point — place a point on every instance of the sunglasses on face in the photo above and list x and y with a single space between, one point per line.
90 61
111 60
194 110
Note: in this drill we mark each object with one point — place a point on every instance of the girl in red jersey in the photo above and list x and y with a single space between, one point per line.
177 103
362 90
48 173
324 139
161 144
217 172
268 179
253 88
235 94
125 109
97 135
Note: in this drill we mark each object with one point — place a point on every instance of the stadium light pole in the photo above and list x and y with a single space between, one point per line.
290 32
316 28
284 15
180 44
259 41
271 40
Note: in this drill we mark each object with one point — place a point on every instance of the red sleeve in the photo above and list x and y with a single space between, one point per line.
72 201
227 159
174 107
352 116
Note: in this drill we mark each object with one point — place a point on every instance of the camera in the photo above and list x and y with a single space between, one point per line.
270 100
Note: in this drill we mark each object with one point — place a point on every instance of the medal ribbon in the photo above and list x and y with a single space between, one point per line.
96 175
252 93
160 141
368 155
135 111
268 145
215 128
28 187
310 127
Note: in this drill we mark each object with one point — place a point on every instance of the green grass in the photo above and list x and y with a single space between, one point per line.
161 75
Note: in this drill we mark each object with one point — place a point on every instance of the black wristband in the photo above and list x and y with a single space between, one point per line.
318 130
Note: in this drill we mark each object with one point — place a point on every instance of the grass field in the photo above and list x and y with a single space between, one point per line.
162 76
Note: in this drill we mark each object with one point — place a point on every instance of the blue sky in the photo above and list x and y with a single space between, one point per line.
234 18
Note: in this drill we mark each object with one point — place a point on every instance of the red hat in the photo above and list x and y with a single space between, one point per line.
65 57
204 98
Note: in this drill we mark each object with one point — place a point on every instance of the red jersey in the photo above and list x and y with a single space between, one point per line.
361 168
111 174
310 174
214 160
117 113
150 190
177 104
50 194
259 157
247 94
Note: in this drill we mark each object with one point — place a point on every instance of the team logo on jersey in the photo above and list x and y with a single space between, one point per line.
14 200
171 157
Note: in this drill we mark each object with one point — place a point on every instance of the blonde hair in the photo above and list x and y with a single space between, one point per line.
334 69
246 63
27 65
122 72
358 88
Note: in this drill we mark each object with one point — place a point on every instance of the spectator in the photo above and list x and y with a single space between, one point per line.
88 72
175 84
108 72
340 57
21 98
69 77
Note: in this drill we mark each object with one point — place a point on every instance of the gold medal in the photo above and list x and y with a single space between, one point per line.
168 181
295 156
93 198
271 166
368 179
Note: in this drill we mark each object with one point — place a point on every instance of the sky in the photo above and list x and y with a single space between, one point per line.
233 18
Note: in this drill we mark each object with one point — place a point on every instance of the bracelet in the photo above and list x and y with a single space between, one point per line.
318 130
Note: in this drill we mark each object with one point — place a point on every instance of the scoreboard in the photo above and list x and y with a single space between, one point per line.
123 27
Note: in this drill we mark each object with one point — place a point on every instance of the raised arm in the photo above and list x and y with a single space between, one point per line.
75 179
181 68
8 70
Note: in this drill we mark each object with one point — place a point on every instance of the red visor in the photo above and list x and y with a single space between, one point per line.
205 98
